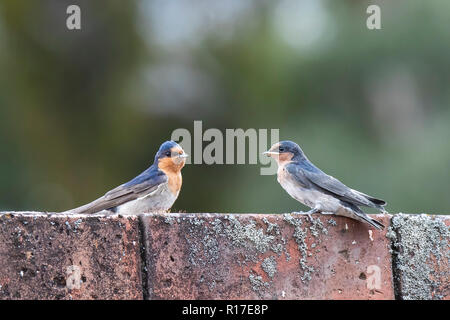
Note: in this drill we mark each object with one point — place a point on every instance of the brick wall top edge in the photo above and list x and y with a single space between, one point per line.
186 214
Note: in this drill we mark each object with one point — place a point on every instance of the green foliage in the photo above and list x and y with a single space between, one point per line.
84 111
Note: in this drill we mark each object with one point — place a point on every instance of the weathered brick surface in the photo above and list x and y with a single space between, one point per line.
59 257
421 256
217 256
247 256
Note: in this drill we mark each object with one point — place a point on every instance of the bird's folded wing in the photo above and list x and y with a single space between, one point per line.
323 181
136 188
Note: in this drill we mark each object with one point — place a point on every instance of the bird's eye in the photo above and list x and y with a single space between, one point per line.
168 153
281 149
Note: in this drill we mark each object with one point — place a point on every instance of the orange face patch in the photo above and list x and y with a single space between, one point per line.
286 156
172 166
281 157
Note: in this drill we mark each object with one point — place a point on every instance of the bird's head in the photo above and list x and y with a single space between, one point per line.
170 157
285 151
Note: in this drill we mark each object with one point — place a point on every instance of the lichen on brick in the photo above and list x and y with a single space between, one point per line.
248 240
169 220
420 245
317 227
269 265
258 284
271 227
300 234
202 252
241 234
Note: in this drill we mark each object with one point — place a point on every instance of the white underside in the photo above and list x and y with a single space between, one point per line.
161 199
313 198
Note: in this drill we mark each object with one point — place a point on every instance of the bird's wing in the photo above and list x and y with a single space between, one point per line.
311 175
143 184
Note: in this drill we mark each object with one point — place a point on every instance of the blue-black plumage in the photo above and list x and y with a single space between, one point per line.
155 189
321 192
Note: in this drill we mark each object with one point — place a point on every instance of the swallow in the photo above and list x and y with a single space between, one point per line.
155 189
309 185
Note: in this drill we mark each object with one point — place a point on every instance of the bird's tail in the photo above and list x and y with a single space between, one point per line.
377 203
81 209
365 218
89 208
375 223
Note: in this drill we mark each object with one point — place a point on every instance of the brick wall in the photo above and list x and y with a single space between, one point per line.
222 256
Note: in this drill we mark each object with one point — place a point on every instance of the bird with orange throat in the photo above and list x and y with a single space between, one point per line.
323 193
155 189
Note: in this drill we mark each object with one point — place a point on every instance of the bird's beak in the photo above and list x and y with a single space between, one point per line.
269 153
183 155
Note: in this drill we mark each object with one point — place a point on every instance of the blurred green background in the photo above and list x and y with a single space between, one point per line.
84 111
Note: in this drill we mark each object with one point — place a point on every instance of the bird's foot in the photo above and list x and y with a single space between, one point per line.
304 213
308 213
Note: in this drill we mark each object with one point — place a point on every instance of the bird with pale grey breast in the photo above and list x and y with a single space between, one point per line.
309 185
155 189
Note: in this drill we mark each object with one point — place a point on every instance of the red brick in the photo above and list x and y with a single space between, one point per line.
242 256
40 255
